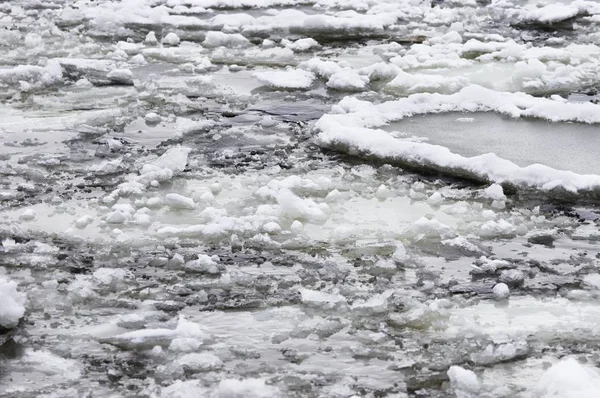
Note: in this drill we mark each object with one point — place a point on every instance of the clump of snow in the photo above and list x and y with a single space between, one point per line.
152 118
171 39
297 227
289 79
121 76
501 291
348 80
464 381
177 201
218 39
204 264
494 192
151 38
27 215
400 255
302 45
84 221
295 207
12 308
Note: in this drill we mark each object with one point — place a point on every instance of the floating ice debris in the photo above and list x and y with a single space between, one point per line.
151 38
301 45
435 199
321 299
158 336
12 308
121 76
463 380
501 291
347 80
27 215
218 39
152 118
512 277
289 79
171 39
179 201
494 192
118 217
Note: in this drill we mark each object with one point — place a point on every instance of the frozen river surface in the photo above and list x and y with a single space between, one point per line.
299 198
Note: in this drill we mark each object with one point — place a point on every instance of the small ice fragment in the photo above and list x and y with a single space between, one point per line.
142 219
176 261
383 192
494 192
268 121
333 196
216 188
463 379
121 76
498 204
83 222
512 277
347 80
501 291
27 215
13 303
151 38
207 197
154 203
296 227
152 118
179 201
400 254
271 228
171 39
117 217
435 199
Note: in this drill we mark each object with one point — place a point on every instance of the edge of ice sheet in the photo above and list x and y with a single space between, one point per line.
350 128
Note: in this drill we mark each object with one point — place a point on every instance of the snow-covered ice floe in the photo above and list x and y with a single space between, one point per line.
351 127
